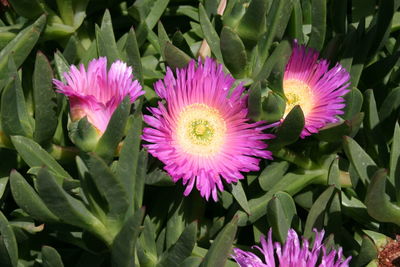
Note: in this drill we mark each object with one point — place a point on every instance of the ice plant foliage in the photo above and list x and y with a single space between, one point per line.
201 133
318 90
96 92
292 254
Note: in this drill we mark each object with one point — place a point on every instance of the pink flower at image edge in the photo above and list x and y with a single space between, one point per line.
292 253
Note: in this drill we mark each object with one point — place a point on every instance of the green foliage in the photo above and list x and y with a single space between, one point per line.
72 196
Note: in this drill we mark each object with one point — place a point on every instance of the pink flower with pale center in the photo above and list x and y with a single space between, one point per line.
318 90
201 132
96 92
292 253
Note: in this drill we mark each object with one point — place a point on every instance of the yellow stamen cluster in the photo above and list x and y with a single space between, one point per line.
297 93
200 130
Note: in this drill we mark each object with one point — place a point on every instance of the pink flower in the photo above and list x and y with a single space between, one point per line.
318 90
201 133
292 254
96 93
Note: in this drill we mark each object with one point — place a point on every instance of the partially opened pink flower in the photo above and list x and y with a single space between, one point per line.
201 133
96 93
318 90
292 253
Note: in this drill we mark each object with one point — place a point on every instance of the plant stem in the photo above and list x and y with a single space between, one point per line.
296 159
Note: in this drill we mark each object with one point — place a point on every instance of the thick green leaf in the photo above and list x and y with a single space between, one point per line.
368 252
240 196
181 249
155 13
389 111
361 161
210 34
27 8
317 212
109 186
14 114
91 53
192 261
3 186
83 134
318 21
159 178
67 208
20 46
35 156
333 221
128 159
272 174
79 12
123 247
291 183
289 131
148 239
354 101
377 202
231 44
334 174
28 200
62 65
96 203
45 100
253 23
176 222
295 26
108 143
254 101
277 19
133 56
106 44
281 210
277 59
333 132
395 160
273 107
51 258
220 249
353 208
9 242
140 178
162 38
179 41
175 57
377 146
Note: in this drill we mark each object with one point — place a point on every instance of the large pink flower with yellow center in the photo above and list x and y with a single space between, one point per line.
96 93
318 90
201 133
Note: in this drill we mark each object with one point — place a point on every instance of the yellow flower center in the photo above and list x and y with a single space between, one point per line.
297 93
200 130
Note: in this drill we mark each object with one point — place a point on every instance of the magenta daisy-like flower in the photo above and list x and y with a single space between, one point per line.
201 132
96 92
292 254
318 90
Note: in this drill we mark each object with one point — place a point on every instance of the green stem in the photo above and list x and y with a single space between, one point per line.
296 159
